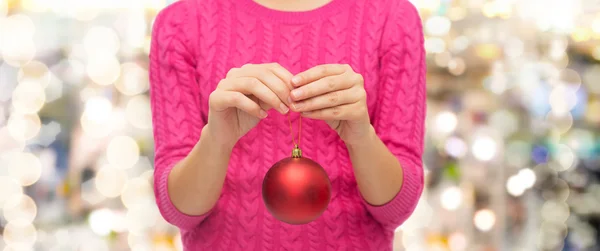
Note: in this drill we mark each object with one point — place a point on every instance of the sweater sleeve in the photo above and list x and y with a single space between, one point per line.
175 101
399 117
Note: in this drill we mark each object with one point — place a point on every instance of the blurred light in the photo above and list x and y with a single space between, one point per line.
122 152
103 69
484 148
558 48
457 241
518 153
562 122
147 45
435 45
24 167
581 142
141 218
119 223
581 34
20 208
514 186
559 191
34 5
555 212
71 71
133 79
18 48
138 112
571 79
456 147
101 221
551 236
484 220
457 13
110 181
429 5
505 122
96 116
28 97
442 59
593 111
591 78
460 44
34 71
24 126
54 89
446 122
565 157
488 51
137 192
138 239
596 52
437 26
20 235
100 40
9 188
514 47
457 66
562 100
178 242
3 8
451 198
527 177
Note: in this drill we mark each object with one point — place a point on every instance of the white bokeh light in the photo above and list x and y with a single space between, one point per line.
484 220
9 187
110 181
101 40
514 186
446 122
133 79
527 177
438 25
103 69
451 198
139 113
24 127
456 147
20 208
484 148
20 235
28 97
136 192
457 241
24 167
101 221
123 152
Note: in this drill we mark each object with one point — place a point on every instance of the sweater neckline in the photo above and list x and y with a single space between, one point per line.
293 17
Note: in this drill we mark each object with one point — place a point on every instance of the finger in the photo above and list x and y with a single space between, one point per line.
221 100
341 112
275 83
253 86
320 87
318 72
283 74
331 99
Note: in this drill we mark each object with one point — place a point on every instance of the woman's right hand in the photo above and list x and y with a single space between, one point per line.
243 98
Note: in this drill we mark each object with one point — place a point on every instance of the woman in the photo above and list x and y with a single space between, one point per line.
225 74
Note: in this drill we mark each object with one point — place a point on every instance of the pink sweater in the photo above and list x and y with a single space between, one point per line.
196 42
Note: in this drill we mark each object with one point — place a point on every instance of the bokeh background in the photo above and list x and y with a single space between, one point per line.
513 144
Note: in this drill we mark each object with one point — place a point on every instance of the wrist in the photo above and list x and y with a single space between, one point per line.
221 144
364 141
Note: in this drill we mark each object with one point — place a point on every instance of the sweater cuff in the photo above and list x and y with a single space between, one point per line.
168 209
392 214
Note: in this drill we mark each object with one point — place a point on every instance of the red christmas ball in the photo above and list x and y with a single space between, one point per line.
296 190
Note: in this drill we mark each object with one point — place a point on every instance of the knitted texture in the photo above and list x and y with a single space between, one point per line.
196 42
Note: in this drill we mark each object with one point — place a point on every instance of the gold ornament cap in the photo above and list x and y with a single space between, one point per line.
296 153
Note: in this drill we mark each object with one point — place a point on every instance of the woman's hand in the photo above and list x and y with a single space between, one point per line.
336 94
243 98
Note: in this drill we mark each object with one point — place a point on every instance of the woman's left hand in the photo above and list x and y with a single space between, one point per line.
336 94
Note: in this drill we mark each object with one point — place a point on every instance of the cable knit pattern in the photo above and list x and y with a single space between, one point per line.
195 43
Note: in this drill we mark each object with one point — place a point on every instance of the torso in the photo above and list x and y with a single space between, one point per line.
339 38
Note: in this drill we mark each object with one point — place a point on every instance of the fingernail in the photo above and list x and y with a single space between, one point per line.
290 100
297 106
263 114
296 80
284 109
297 93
